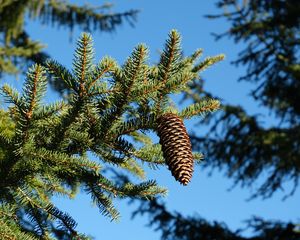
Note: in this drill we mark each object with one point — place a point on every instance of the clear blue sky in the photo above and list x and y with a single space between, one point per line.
206 196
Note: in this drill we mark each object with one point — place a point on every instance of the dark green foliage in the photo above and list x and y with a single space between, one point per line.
238 142
175 226
45 148
270 29
17 50
247 150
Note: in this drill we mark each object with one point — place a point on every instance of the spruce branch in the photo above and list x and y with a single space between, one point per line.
209 61
168 65
34 89
134 124
131 165
103 202
83 62
195 56
12 96
64 218
12 232
200 108
170 57
17 48
60 75
107 114
87 17
106 66
50 110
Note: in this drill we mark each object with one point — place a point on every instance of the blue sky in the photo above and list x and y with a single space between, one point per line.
206 196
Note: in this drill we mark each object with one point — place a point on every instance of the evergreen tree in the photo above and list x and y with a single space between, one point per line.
175 226
46 149
18 50
244 147
237 141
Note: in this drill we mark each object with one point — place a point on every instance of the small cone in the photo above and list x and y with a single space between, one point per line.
176 147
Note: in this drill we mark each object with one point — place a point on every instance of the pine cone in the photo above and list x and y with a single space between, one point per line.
176 147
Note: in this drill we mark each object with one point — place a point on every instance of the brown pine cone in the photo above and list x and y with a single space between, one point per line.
176 147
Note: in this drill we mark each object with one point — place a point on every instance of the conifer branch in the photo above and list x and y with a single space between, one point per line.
60 73
34 89
131 165
82 77
103 202
208 62
83 62
105 66
168 64
12 96
109 108
168 56
200 108
33 94
67 221
195 56
64 13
